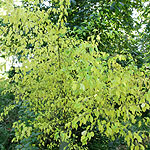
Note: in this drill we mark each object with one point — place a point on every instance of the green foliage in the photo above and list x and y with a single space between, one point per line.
6 125
89 98
67 90
110 23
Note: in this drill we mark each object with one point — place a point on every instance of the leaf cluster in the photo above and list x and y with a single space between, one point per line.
68 89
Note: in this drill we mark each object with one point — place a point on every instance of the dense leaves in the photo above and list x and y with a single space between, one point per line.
78 78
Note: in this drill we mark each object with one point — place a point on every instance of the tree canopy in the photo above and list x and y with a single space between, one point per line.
82 71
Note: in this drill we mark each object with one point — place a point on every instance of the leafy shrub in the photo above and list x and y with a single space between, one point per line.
84 94
69 91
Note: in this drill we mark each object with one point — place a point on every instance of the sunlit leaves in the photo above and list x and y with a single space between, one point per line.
84 91
69 84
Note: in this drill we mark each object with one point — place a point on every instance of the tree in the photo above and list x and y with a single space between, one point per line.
109 23
144 35
69 90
